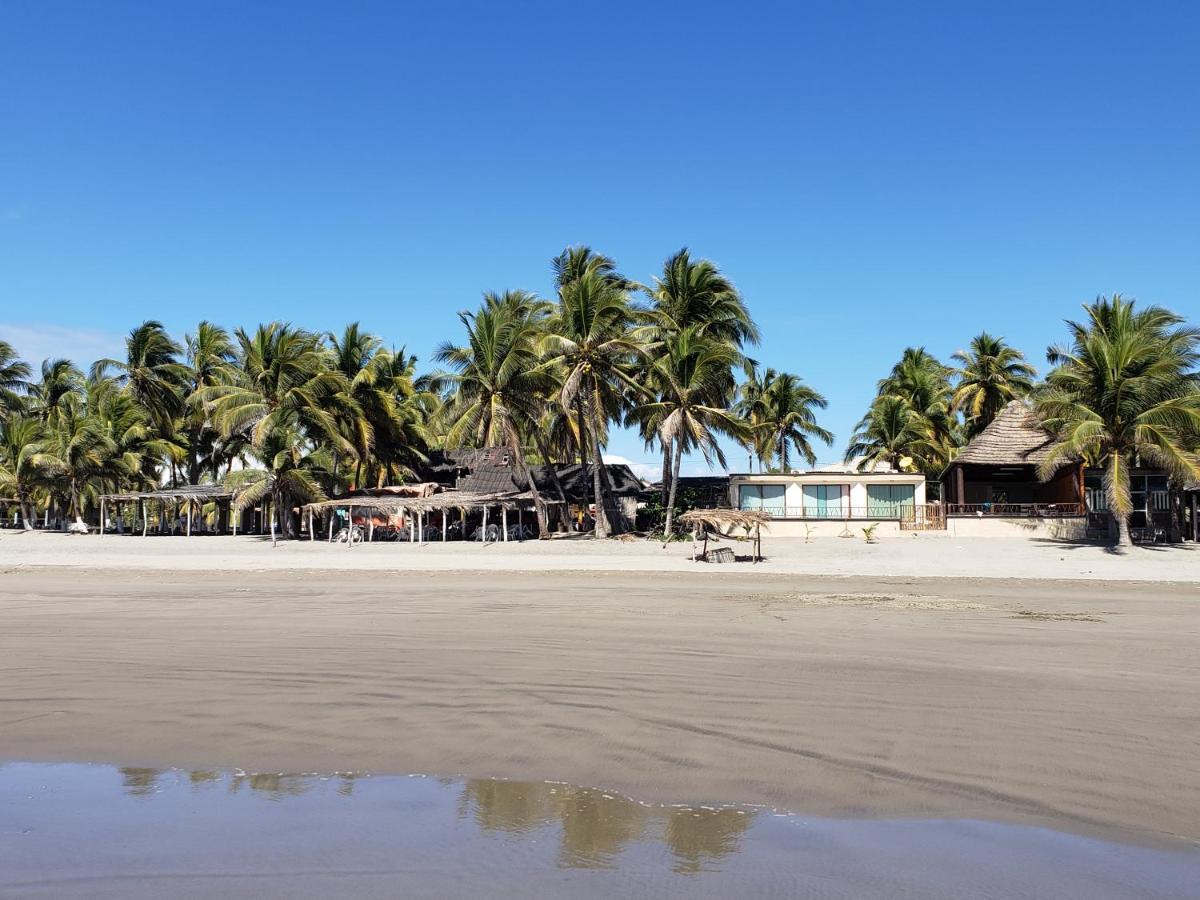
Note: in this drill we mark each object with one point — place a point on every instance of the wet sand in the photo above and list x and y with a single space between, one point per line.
1073 705
94 831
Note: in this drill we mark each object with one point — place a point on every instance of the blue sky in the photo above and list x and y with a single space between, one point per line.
870 175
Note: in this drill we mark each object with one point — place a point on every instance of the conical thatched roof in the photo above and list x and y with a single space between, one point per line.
1015 438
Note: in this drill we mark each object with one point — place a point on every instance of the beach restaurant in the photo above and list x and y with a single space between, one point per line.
830 500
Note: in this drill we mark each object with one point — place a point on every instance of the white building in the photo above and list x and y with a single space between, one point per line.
826 501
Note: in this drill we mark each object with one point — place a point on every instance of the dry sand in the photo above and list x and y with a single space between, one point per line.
1072 704
914 554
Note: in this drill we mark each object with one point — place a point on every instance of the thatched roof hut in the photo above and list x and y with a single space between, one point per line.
1016 437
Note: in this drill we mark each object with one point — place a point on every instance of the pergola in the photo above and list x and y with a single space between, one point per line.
419 508
190 495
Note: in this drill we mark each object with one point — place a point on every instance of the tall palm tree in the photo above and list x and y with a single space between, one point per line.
77 453
292 473
152 373
787 421
694 294
60 382
281 391
14 380
498 386
210 358
890 433
922 384
1124 389
20 438
991 374
691 411
589 340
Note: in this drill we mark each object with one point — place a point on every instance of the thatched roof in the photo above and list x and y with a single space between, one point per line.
446 500
1015 438
198 492
721 519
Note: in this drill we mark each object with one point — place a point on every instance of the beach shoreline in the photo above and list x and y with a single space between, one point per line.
1070 703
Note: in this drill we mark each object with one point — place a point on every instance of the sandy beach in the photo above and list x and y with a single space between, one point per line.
1067 703
910 555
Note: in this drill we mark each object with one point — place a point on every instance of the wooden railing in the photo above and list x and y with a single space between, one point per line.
1016 510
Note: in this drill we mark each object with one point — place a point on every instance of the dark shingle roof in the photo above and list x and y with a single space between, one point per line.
1015 437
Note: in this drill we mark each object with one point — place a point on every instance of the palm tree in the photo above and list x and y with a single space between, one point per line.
889 433
1124 389
281 391
210 357
922 385
60 382
589 340
76 454
693 372
152 373
785 420
694 294
498 386
20 438
14 380
991 375
293 473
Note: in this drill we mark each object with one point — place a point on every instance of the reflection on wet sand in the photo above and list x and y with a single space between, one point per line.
596 826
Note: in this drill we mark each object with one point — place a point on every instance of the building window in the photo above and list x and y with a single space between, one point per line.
890 501
825 501
766 497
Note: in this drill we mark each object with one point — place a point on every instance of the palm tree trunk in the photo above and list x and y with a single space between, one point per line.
26 510
554 479
593 426
526 473
678 453
667 481
582 427
1124 539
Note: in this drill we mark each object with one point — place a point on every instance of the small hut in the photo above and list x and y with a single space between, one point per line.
724 521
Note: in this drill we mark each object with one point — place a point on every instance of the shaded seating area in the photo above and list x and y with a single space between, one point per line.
706 523
436 517
177 510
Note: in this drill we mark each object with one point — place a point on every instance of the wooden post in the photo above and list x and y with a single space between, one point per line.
420 528
349 527
189 518
312 532
483 538
101 517
443 525
520 524
504 523
960 485
758 541
233 515
412 526
331 518
371 527
145 516
272 522
693 543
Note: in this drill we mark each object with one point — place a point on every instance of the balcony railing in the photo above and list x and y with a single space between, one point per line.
840 513
1016 510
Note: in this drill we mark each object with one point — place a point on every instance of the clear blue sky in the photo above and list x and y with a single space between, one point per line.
870 175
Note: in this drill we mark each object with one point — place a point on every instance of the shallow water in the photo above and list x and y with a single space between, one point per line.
83 830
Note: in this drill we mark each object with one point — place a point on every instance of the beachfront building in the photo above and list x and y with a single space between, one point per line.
831 500
992 487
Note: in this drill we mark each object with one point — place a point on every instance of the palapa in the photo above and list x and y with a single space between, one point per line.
722 520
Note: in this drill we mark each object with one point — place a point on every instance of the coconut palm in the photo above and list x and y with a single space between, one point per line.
890 433
589 342
152 373
210 361
77 454
293 474
14 380
922 385
693 294
1124 390
690 412
991 374
61 381
786 421
497 385
20 438
280 393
